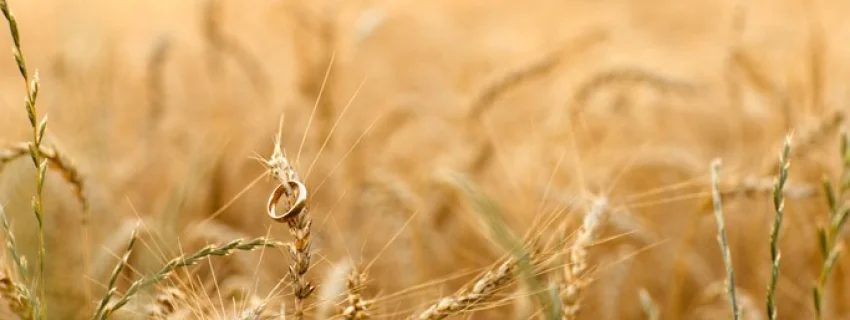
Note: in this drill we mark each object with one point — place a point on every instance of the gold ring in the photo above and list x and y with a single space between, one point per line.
295 208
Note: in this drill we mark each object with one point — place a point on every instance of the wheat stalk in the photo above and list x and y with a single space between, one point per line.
779 207
38 128
839 212
721 237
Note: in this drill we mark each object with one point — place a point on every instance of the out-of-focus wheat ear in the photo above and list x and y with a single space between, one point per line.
220 45
576 264
100 312
356 308
485 96
471 297
156 83
779 207
18 297
721 237
59 161
185 261
650 308
649 78
492 214
809 138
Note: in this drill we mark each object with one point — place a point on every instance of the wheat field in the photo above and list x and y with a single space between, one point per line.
424 160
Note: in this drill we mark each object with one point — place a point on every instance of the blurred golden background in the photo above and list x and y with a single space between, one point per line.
547 107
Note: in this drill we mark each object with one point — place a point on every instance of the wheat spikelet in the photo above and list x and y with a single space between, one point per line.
576 266
356 308
478 293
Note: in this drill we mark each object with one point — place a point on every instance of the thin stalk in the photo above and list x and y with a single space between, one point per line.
721 237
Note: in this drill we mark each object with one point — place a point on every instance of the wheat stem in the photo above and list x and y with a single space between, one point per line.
721 237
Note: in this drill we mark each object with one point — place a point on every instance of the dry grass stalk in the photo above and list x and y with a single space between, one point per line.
185 261
575 267
481 291
356 308
299 223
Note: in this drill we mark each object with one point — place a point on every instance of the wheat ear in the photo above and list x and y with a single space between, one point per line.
298 220
779 207
480 292
185 261
356 308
